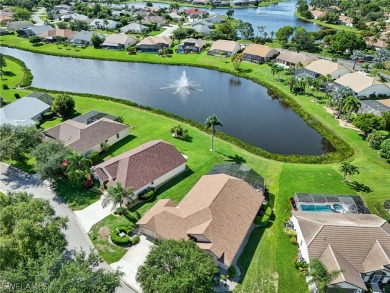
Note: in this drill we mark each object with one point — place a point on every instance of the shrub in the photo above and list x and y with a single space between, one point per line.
146 194
135 240
382 211
376 137
120 211
179 131
17 96
368 122
293 240
125 229
5 86
290 233
118 240
232 272
48 115
385 150
94 157
258 220
120 119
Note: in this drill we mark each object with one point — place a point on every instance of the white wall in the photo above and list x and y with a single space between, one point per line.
340 72
378 89
301 241
112 140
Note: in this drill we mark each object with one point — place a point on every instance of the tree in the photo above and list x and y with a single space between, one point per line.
63 105
34 40
386 118
62 25
236 60
367 122
96 41
182 33
211 123
230 13
320 276
376 138
384 151
49 158
245 29
302 40
177 266
117 194
338 97
381 56
343 41
348 169
21 14
3 63
283 34
291 82
274 69
17 141
351 105
357 55
78 25
77 167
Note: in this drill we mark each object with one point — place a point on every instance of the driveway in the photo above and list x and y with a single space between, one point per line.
168 31
12 179
35 16
131 261
93 214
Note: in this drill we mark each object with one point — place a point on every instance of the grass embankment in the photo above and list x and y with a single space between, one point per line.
339 27
267 261
185 4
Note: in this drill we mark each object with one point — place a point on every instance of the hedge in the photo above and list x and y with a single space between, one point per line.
343 150
118 240
27 77
48 115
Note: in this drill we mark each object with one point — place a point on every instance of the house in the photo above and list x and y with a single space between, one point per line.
134 27
34 30
376 107
175 16
293 59
325 67
356 244
147 166
193 12
217 213
363 85
5 17
43 97
216 18
24 112
224 47
190 46
200 2
82 38
158 20
103 24
317 13
54 33
348 21
201 29
377 44
259 53
118 42
89 132
154 44
17 25
75 16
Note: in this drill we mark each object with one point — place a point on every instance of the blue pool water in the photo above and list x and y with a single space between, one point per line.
322 209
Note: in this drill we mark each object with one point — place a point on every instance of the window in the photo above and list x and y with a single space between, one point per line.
117 135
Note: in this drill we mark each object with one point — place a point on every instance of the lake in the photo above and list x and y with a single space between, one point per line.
247 110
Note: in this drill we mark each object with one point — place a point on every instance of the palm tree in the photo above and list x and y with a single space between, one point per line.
117 194
274 69
301 83
351 105
211 123
291 82
348 169
78 167
356 55
272 35
320 276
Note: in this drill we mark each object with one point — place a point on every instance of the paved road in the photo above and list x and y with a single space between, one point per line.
36 18
169 30
12 179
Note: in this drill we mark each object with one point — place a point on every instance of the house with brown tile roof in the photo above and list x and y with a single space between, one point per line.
357 244
52 34
325 67
317 13
217 213
118 41
224 47
348 21
292 59
363 85
259 53
85 138
147 166
154 44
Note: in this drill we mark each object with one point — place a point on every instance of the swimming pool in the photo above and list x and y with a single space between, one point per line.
322 208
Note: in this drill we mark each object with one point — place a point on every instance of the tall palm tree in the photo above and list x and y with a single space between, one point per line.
291 82
320 275
356 55
78 167
348 169
211 123
117 194
301 83
274 69
351 105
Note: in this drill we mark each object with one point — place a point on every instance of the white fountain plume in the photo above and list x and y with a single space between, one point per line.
183 84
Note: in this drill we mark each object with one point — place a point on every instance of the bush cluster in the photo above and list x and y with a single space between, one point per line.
118 240
232 272
94 157
47 115
147 194
135 240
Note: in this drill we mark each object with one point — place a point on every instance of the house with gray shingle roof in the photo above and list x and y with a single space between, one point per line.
356 244
89 133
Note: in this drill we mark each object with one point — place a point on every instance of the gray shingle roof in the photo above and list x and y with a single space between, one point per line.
93 116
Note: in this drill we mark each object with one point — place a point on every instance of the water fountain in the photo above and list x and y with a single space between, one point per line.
183 85
258 10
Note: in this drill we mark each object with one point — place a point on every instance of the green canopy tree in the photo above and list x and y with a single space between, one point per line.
236 60
117 194
63 105
343 41
211 123
3 63
283 34
357 55
348 169
351 105
320 275
78 167
177 266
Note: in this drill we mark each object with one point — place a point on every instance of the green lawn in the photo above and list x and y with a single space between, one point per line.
267 261
339 27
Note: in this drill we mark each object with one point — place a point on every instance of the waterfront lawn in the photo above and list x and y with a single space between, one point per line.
12 77
339 27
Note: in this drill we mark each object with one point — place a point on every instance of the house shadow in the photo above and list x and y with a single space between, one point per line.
359 187
9 73
232 158
248 70
115 147
171 183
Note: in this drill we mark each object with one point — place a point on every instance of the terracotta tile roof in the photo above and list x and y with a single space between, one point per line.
154 40
294 57
352 236
219 207
81 137
225 45
260 50
58 33
142 165
119 39
324 67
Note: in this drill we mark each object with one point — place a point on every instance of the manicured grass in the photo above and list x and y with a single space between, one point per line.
76 197
339 27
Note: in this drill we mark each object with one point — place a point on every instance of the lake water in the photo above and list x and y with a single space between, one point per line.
273 16
246 109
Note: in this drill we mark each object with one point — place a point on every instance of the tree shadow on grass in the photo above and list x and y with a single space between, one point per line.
9 73
115 147
248 70
232 158
163 189
359 187
38 45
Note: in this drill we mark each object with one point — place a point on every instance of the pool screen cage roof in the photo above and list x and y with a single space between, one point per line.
354 203
386 204
242 172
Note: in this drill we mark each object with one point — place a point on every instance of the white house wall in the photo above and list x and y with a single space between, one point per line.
112 140
378 89
301 241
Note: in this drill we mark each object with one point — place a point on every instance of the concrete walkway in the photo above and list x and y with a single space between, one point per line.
13 179
93 214
168 31
132 260
36 18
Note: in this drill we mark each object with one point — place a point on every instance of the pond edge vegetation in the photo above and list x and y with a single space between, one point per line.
342 150
27 75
